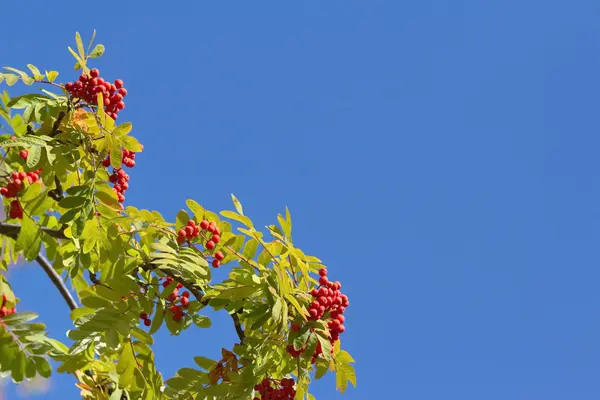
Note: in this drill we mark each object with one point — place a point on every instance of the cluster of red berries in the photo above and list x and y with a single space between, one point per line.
119 177
175 297
88 87
14 187
191 231
329 303
144 317
127 159
6 311
270 389
23 153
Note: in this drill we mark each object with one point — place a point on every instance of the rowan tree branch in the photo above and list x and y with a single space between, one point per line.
57 281
12 230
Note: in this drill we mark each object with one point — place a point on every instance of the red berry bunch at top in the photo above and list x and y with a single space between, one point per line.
14 187
88 87
329 298
188 232
6 311
270 389
191 231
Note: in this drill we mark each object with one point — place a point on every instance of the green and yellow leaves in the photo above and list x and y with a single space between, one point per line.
30 238
82 55
344 371
24 347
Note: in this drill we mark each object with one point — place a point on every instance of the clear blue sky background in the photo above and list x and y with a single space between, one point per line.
440 156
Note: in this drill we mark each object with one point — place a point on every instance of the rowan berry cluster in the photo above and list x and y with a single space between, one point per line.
14 187
119 177
88 87
175 297
329 304
144 317
192 231
270 389
6 311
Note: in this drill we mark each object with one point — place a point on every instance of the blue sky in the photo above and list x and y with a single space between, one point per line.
439 156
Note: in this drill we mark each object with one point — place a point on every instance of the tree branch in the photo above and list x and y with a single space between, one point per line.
13 230
56 280
238 327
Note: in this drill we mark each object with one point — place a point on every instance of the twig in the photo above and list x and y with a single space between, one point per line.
238 327
12 230
56 126
57 281
56 194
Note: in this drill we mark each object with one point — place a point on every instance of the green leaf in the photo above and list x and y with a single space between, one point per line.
11 79
30 238
30 370
126 367
205 363
302 337
33 158
89 235
237 204
122 129
202 321
116 154
98 51
344 373
19 318
51 75
80 48
72 202
36 72
132 144
240 218
157 320
276 311
42 366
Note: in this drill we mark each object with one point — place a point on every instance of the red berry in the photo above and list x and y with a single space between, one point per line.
185 302
210 245
147 322
323 280
204 224
118 83
322 272
216 263
95 73
219 256
123 92
295 327
185 294
143 315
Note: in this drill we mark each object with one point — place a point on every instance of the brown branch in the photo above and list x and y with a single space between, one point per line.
56 194
12 230
56 126
56 280
238 327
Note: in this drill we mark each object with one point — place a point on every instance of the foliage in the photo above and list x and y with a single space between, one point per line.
135 273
